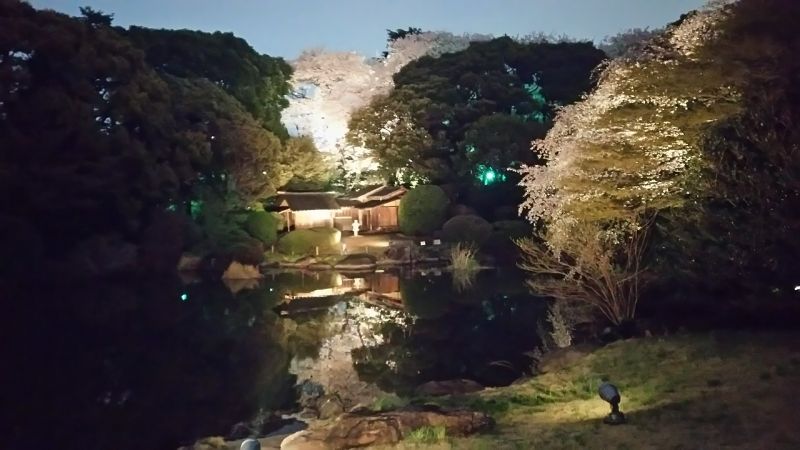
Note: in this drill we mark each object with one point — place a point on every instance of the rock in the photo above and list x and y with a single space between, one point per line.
303 440
448 387
358 430
308 413
564 357
360 409
303 262
356 262
239 271
310 393
402 251
210 443
189 263
329 406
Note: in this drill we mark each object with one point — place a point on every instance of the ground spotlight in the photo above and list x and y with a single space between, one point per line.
250 444
610 393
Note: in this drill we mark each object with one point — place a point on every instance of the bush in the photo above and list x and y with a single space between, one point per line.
467 228
249 251
263 226
422 210
304 242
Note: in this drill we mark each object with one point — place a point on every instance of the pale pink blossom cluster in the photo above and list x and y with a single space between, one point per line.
628 143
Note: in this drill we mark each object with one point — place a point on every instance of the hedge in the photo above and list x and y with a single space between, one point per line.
467 228
263 226
305 241
422 210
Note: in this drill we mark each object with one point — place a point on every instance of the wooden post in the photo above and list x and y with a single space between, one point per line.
317 250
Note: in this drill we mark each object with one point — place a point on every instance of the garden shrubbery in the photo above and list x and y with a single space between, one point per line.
263 226
422 210
467 228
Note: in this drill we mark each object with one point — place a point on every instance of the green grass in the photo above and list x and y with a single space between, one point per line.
306 241
426 435
388 402
732 390
463 258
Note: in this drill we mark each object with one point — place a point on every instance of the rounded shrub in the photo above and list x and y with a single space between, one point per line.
422 210
263 226
249 251
467 228
304 242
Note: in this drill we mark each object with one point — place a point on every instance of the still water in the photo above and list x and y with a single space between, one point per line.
155 364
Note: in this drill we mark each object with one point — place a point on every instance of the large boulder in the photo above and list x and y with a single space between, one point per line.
357 262
239 271
388 428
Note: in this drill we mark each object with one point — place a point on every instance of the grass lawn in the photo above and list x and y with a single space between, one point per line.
721 390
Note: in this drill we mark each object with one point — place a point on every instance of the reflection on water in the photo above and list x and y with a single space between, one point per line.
156 364
136 365
400 330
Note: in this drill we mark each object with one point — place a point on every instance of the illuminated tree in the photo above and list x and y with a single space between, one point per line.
697 125
310 170
329 86
628 41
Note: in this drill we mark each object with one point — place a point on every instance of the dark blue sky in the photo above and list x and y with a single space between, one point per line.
285 27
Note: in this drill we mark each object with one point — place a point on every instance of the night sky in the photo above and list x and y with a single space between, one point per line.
285 27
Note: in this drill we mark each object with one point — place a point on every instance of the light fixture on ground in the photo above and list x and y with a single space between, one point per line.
610 393
250 444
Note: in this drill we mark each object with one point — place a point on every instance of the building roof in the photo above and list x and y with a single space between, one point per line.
364 190
368 197
307 201
377 191
386 191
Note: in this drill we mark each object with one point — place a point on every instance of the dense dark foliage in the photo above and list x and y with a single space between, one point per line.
455 117
258 82
99 138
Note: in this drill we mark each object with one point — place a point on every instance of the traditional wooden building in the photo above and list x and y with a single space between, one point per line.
306 209
375 208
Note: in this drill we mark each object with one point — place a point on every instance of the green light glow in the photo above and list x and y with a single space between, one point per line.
184 297
488 175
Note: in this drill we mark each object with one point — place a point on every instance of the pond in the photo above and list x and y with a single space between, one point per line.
159 363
